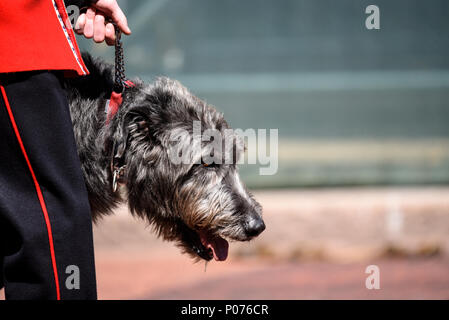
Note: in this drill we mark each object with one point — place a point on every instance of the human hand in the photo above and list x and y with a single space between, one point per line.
93 23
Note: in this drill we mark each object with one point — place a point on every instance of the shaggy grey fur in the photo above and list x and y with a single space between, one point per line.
182 202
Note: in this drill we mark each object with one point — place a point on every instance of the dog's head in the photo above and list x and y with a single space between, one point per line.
181 172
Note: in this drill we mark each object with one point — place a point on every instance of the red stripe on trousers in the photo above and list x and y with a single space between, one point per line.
38 191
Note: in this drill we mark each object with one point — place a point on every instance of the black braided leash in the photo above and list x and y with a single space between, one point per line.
120 78
120 82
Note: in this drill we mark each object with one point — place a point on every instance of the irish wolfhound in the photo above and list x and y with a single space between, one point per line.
196 204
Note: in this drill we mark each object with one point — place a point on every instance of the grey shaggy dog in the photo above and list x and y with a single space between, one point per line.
198 205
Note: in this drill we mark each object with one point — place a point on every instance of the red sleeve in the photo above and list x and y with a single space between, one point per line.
37 35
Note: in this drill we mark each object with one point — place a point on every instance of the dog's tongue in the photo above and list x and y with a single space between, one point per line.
217 244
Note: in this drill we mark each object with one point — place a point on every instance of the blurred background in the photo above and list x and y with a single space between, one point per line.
353 106
363 119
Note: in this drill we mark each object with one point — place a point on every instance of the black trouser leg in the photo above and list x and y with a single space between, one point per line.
45 221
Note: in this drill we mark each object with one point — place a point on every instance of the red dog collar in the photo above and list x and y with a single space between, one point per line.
115 101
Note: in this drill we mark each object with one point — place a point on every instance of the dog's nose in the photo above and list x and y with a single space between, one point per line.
255 227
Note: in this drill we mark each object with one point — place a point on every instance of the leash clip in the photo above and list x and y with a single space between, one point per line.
116 176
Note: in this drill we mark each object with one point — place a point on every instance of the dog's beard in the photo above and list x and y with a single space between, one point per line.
210 216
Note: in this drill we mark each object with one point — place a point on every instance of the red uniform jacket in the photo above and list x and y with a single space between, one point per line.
37 35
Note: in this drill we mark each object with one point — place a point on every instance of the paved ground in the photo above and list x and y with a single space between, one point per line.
424 279
133 277
316 246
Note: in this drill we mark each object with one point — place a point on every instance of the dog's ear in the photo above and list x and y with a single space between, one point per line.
135 126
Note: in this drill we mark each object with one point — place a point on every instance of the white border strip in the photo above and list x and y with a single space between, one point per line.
68 38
